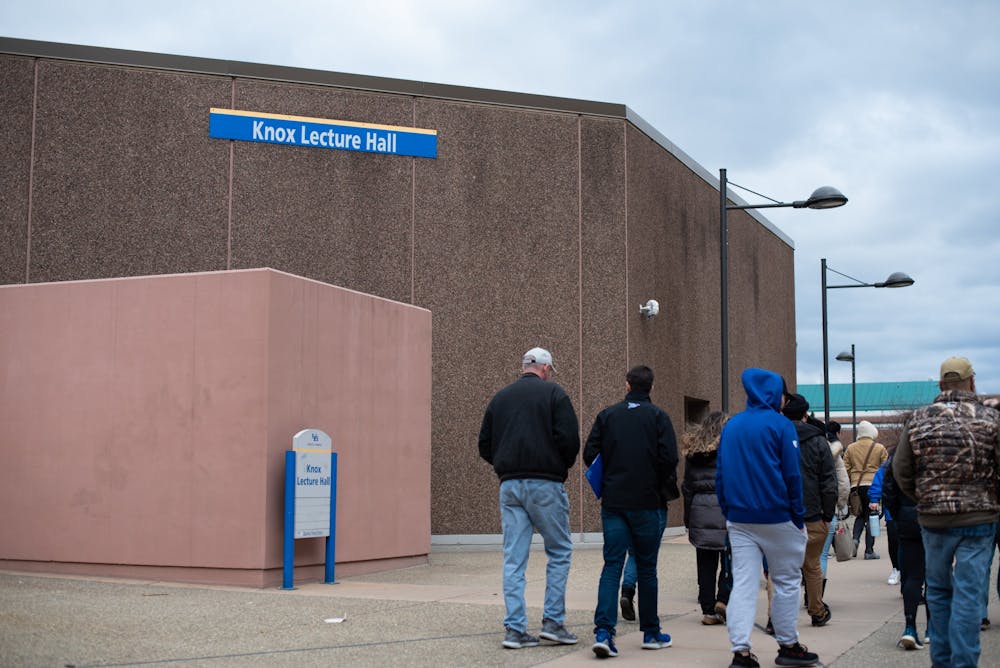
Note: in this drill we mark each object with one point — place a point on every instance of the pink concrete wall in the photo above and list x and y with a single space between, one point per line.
143 423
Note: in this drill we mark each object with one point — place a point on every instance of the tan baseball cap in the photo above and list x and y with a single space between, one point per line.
956 368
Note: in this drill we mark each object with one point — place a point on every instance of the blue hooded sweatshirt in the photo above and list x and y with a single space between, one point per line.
757 477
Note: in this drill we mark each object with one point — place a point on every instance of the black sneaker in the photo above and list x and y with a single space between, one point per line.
796 655
744 661
984 624
628 606
824 618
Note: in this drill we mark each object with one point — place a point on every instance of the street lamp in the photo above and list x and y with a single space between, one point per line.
825 197
897 279
849 357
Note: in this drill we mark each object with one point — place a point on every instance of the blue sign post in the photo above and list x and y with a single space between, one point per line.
310 499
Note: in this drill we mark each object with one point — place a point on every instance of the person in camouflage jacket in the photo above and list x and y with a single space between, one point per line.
948 461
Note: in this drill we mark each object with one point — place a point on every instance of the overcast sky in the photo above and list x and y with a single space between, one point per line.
896 103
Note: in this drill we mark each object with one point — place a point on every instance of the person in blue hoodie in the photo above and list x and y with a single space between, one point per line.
759 486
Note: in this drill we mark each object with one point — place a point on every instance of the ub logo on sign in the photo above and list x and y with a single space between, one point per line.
313 483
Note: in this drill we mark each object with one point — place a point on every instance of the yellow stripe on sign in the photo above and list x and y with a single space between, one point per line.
324 121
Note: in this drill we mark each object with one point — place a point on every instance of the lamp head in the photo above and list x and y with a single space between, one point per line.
825 197
845 357
897 279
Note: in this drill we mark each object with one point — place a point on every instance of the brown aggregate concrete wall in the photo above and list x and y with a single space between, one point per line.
337 216
16 85
531 227
761 305
123 181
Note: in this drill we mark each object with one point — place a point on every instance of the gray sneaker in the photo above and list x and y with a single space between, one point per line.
516 639
557 633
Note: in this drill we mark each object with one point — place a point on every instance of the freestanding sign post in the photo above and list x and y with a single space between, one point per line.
310 498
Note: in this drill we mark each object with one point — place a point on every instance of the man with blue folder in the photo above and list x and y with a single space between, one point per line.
638 449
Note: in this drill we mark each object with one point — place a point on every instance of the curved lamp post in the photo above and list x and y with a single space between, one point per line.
825 197
849 357
897 279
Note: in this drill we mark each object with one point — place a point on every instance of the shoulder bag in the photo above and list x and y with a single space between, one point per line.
843 543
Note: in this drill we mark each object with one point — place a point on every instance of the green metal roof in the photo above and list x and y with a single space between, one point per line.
903 396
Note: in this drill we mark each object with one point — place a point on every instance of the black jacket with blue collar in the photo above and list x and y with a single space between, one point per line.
638 448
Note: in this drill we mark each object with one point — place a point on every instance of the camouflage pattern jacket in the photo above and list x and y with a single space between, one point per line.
948 460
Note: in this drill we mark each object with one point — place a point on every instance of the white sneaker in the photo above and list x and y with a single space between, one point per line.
893 577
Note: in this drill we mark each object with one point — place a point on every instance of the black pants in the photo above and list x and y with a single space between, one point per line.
710 564
911 564
892 535
861 522
996 543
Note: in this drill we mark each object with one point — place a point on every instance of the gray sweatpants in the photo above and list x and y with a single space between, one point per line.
784 547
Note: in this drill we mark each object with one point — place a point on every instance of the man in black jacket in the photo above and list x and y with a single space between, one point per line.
636 442
531 436
819 496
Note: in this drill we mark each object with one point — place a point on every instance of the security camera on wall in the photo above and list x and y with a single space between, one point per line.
650 308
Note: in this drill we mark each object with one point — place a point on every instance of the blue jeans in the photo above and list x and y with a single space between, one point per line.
826 545
640 529
525 505
631 574
957 571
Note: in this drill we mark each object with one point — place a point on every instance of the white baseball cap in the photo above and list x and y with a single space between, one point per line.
538 356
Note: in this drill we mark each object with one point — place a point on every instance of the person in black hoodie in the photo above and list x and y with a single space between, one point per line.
819 496
638 449
531 436
911 556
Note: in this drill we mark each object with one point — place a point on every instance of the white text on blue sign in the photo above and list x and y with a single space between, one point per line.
321 133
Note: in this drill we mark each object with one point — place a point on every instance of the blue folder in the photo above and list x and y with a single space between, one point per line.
595 475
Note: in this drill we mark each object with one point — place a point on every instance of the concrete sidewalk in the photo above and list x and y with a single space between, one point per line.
447 613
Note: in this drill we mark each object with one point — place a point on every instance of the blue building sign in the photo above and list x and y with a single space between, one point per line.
321 133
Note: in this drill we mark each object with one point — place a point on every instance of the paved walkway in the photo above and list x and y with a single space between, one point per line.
447 613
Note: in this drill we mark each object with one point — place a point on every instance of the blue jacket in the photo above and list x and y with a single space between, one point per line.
757 476
875 491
